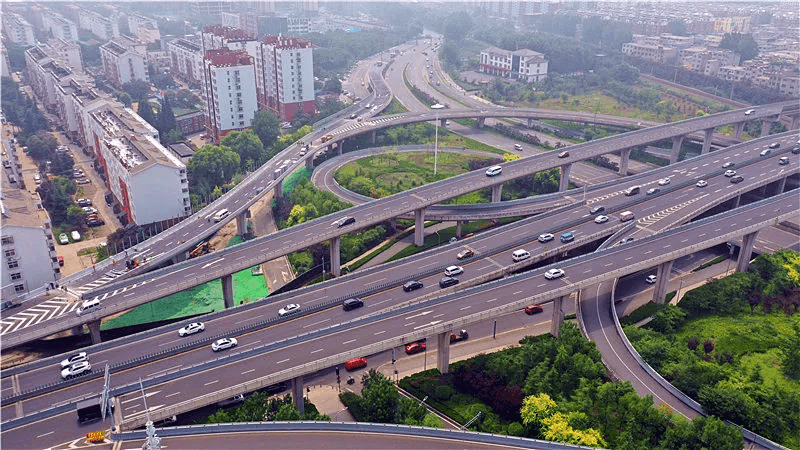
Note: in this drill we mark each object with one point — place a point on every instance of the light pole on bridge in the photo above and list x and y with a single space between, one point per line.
436 107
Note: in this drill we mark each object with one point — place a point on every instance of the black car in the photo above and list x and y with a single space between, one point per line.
344 221
796 150
447 282
597 210
775 145
8 304
352 303
737 179
412 285
95 222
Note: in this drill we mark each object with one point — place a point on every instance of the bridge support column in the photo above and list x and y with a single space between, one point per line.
481 122
677 141
530 122
765 126
419 227
736 201
497 191
336 268
662 281
241 222
458 228
709 134
372 137
310 163
795 123
624 159
339 148
563 185
746 251
558 315
443 352
297 394
781 186
442 123
180 257
227 290
739 129
94 331
278 190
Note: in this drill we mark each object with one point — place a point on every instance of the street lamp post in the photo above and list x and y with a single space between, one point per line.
436 107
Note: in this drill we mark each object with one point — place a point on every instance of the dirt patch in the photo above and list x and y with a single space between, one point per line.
223 236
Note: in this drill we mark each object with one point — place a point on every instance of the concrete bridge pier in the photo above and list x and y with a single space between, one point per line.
419 227
781 185
310 163
458 228
481 122
241 222
336 265
443 352
297 394
766 124
372 137
739 129
558 315
624 159
746 251
530 122
563 185
278 190
736 201
707 136
180 257
443 123
339 147
227 290
497 191
677 142
795 122
662 281
94 331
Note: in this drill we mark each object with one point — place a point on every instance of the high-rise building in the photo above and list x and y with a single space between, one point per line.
229 91
18 30
186 60
61 27
286 76
124 60
105 28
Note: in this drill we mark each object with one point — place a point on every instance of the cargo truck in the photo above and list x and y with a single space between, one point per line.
89 410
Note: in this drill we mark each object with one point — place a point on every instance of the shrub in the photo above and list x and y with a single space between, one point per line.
693 343
444 392
708 346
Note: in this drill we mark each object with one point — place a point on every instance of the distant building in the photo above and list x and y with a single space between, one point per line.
210 8
526 65
144 28
229 91
59 26
105 28
18 30
657 53
186 60
124 60
286 76
190 123
67 51
182 151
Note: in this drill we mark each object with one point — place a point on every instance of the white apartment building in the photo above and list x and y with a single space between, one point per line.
657 53
45 71
18 30
105 28
61 27
146 179
124 60
67 51
229 91
186 60
28 260
144 28
285 77
524 64
243 20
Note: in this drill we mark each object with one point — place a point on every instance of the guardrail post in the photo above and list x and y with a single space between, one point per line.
677 142
241 223
419 227
662 281
739 129
278 190
563 185
336 269
746 251
624 159
443 352
227 290
297 394
94 331
497 191
709 134
558 315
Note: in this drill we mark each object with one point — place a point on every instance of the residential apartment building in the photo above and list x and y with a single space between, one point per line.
242 20
526 65
67 51
103 27
143 28
28 256
45 71
147 180
213 8
229 91
59 26
657 53
124 60
186 60
285 78
18 30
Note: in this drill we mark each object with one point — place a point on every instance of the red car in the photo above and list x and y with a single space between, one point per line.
533 309
415 347
355 363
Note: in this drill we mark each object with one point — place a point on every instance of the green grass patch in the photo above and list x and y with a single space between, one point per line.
641 313
716 260
291 181
395 107
744 333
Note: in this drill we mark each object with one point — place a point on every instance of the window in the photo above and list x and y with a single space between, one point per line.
16 276
10 253
8 240
19 288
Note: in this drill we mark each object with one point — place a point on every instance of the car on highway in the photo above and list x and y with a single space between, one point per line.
729 173
633 190
452 271
552 274
626 240
765 152
289 309
796 150
567 237
192 328
651 279
224 343
533 309
412 285
597 210
415 347
520 254
563 154
601 219
775 145
355 363
344 221
546 237
447 282
88 306
702 183
517 147
749 111
464 254
494 171
652 191
783 161
663 182
728 164
737 179
77 369
63 239
352 303
74 359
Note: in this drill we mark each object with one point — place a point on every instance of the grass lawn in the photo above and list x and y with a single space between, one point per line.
602 104
739 335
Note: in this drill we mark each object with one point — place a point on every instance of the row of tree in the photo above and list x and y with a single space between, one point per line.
19 109
259 407
380 402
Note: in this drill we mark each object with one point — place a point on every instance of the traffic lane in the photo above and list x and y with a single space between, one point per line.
60 430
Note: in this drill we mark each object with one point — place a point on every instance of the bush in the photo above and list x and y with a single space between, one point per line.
516 429
444 392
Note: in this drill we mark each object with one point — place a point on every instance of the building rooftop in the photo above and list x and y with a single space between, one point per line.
182 150
186 44
20 207
225 57
286 42
114 48
229 33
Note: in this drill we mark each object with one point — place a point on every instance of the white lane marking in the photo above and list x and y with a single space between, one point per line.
282 361
248 371
466 307
348 342
212 263
424 313
317 351
43 435
379 332
175 393
211 382
487 301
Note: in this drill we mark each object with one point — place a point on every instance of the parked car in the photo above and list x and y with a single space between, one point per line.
533 309
464 254
63 239
74 359
289 309
459 336
75 235
415 347
452 271
224 343
192 328
552 274
412 285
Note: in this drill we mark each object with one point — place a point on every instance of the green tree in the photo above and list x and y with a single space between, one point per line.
267 127
166 119
124 98
381 401
333 85
137 88
145 111
76 216
173 136
457 26
790 353
743 44
246 144
287 412
211 166
704 432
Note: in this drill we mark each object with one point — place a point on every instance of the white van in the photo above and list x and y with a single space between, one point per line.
494 171
88 306
76 236
626 216
520 254
221 214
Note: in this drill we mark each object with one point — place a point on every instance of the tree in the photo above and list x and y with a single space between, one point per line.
743 44
173 136
211 166
677 27
246 144
457 26
137 88
333 85
124 98
287 412
166 119
704 432
381 401
145 111
267 127
790 353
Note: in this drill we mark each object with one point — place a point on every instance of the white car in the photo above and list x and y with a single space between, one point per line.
663 182
702 183
601 219
192 328
546 237
552 274
651 279
494 171
289 309
63 239
89 210
749 111
74 359
224 343
453 271
729 173
76 369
